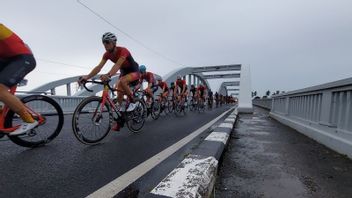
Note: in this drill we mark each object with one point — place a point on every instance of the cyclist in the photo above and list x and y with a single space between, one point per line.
210 98
152 84
200 93
164 89
124 62
216 99
193 91
16 61
180 84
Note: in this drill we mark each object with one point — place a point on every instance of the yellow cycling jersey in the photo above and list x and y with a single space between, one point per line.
10 44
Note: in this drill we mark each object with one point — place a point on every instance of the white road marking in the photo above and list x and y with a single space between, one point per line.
120 183
218 137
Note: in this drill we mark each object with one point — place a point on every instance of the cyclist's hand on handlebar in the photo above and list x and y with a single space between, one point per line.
82 79
104 77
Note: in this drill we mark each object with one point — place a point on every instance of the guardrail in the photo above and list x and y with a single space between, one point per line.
322 112
265 103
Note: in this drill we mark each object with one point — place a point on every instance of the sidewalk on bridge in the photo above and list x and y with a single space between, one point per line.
267 159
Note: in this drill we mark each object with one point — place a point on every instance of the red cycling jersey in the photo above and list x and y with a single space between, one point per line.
163 85
128 66
200 88
149 77
10 44
180 83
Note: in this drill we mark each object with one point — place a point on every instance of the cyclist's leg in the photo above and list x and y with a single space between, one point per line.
11 74
125 81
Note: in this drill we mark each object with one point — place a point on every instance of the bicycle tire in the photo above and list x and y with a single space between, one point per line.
137 116
36 136
83 109
155 110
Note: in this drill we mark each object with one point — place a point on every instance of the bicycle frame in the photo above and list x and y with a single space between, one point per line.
6 109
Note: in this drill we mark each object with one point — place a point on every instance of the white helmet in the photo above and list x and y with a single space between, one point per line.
108 36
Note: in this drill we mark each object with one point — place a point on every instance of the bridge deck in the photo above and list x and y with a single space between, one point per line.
268 159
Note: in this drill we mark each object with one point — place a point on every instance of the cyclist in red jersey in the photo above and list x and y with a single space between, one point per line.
151 79
201 92
16 61
180 84
164 89
124 62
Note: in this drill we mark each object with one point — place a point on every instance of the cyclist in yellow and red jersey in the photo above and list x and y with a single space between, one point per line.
164 89
201 92
124 62
16 61
152 84
180 84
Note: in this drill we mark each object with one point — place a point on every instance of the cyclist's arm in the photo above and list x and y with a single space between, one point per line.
184 88
117 66
97 69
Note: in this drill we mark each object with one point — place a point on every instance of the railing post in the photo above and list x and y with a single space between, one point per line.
287 105
326 108
68 88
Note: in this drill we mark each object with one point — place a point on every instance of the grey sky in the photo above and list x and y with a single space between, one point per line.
288 44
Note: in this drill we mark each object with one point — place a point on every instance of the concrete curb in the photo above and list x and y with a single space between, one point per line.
195 175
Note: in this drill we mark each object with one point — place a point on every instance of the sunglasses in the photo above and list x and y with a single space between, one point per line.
106 42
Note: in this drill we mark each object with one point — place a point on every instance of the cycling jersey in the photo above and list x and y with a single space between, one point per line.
149 77
180 83
163 85
210 94
10 44
201 88
128 66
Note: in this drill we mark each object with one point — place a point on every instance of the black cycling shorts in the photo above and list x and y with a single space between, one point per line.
13 70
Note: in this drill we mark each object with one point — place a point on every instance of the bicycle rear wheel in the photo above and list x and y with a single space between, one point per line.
50 127
91 121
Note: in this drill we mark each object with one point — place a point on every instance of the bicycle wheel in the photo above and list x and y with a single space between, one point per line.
52 121
201 106
91 122
170 106
136 118
155 110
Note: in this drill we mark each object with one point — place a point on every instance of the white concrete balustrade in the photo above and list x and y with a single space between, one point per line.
322 112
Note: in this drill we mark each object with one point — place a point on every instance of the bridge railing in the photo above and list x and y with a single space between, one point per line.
264 103
322 112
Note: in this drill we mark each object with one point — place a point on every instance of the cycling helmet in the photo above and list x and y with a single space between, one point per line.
179 77
142 69
108 36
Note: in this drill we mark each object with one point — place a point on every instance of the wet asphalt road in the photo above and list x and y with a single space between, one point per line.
67 168
267 159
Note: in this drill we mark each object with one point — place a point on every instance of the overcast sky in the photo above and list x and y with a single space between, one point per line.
289 44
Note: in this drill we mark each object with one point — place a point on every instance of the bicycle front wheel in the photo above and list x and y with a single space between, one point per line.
136 118
91 121
49 115
156 108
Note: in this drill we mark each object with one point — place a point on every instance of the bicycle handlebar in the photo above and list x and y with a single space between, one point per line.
97 82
